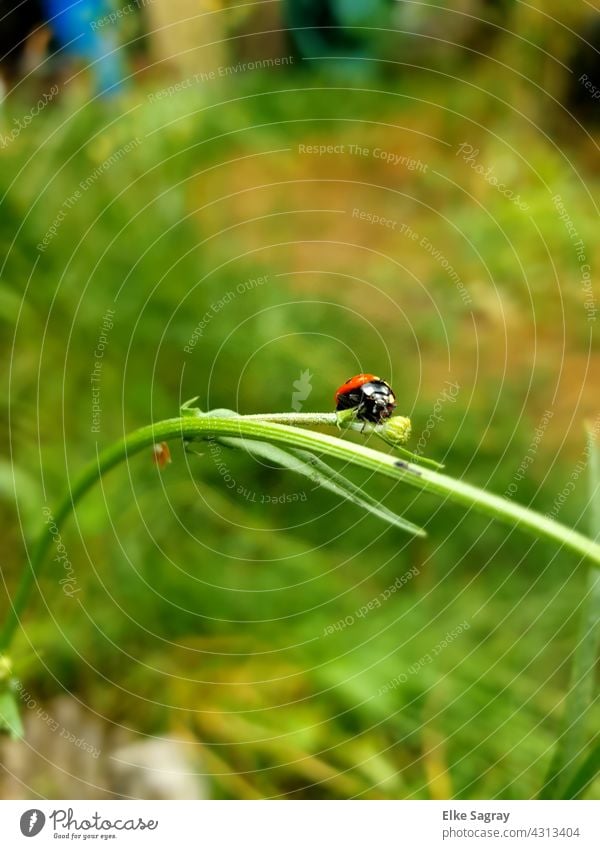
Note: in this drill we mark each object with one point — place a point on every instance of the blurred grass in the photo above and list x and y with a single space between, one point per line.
207 609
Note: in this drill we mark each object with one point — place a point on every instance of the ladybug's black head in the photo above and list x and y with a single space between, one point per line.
374 401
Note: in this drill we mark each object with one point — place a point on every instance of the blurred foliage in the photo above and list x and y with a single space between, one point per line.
202 607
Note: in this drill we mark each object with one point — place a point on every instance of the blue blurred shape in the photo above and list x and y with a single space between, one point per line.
80 26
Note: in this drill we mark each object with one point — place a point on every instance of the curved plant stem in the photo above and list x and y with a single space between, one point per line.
567 777
295 418
209 426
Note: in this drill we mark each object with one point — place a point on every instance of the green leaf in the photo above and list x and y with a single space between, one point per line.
307 464
352 490
187 411
10 719
410 455
594 479
585 774
10 305
572 741
14 480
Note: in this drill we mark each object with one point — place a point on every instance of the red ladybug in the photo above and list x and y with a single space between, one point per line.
371 397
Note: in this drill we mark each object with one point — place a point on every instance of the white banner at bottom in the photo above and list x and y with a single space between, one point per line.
301 824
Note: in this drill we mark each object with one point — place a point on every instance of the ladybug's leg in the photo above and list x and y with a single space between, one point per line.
359 410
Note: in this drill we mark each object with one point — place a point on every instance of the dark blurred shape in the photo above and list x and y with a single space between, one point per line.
17 23
583 91
344 32
32 29
338 29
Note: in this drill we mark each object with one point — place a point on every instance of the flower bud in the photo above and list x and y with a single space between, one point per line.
397 429
5 668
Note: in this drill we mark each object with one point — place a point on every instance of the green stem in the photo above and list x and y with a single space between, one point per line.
302 419
213 426
565 764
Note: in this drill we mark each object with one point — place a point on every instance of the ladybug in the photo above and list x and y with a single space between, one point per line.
371 397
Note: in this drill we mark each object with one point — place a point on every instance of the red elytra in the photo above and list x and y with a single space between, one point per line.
371 398
354 383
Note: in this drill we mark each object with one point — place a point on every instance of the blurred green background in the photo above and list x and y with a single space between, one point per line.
205 609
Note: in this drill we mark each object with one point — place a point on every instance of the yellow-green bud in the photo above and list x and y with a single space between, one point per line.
5 667
397 429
